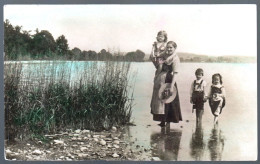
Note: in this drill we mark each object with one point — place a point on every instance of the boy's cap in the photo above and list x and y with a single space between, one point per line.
199 71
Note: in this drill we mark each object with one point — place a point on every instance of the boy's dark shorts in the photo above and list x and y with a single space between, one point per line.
197 99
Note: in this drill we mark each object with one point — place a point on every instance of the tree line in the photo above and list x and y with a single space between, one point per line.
21 45
220 59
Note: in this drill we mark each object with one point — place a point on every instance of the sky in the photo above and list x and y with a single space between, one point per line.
216 30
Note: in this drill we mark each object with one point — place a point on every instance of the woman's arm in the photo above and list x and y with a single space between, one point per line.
175 68
174 77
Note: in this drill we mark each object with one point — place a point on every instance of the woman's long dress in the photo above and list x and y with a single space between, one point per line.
170 112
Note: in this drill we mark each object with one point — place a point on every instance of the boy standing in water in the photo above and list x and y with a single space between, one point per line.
198 94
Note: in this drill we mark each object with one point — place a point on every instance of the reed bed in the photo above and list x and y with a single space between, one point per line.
50 96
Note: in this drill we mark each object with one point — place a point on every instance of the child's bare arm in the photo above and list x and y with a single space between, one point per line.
223 94
153 57
209 94
204 90
153 53
191 92
205 98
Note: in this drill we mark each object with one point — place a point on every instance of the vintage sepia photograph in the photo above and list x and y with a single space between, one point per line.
130 82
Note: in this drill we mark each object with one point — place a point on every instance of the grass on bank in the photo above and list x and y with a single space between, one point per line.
51 96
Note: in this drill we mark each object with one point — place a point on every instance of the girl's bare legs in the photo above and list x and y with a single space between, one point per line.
215 119
159 69
219 107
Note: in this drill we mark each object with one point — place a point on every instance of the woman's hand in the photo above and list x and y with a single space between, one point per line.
205 99
167 93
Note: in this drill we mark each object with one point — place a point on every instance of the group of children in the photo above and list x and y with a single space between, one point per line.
198 96
216 95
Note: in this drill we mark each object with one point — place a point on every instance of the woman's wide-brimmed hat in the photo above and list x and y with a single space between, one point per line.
169 98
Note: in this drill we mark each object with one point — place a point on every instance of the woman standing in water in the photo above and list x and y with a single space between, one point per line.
165 103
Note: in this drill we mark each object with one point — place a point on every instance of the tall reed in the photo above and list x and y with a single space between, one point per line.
52 96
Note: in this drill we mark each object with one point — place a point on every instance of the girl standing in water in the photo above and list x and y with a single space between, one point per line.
217 96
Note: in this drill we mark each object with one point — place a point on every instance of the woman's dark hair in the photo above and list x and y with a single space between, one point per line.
172 43
199 71
164 34
220 77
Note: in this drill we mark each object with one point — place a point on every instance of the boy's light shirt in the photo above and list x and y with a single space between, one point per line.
203 86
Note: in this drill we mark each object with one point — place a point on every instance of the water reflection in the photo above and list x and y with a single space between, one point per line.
216 144
197 144
166 144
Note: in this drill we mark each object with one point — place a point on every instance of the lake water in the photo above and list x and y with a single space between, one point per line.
235 137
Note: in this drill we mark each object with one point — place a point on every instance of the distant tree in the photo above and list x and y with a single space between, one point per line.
8 30
119 58
88 55
62 45
104 55
196 59
76 51
220 59
137 56
85 55
92 55
209 60
43 42
16 40
140 55
70 55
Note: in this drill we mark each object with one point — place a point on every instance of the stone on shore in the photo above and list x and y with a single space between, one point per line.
155 159
36 152
77 131
115 155
58 142
102 142
85 131
114 129
83 149
116 142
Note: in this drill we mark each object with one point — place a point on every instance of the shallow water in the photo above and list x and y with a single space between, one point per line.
235 137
